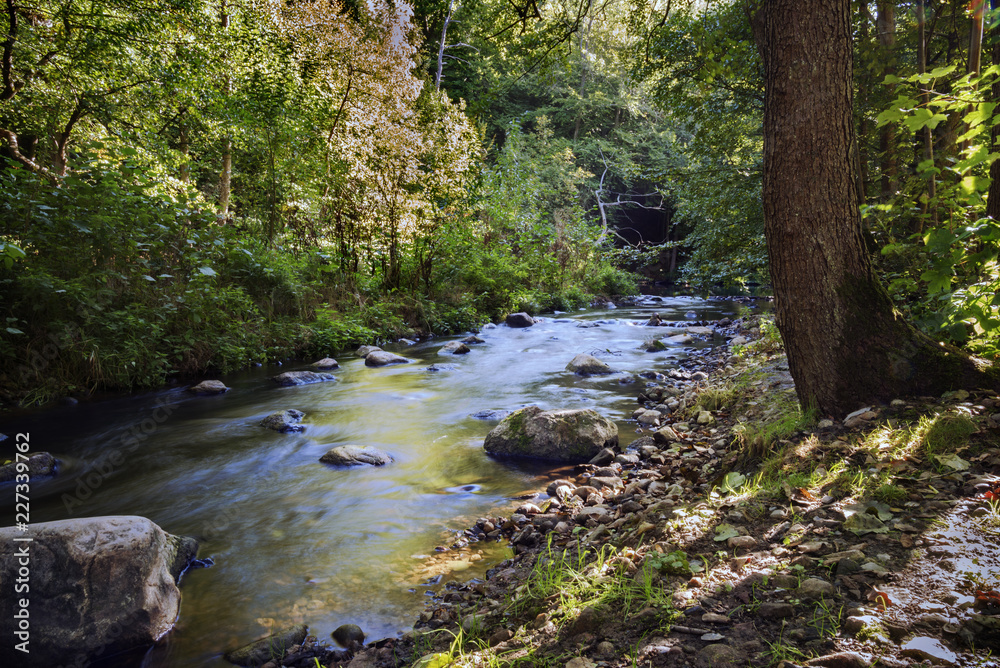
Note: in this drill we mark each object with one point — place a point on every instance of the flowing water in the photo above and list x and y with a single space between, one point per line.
294 540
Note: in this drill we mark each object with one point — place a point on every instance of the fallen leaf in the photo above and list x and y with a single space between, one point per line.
953 461
724 532
880 597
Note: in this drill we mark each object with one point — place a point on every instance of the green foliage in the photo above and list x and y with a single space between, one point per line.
674 563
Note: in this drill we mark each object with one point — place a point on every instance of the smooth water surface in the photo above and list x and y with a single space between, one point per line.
294 540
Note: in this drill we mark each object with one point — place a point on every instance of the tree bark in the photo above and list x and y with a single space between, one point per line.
929 205
444 38
846 345
993 199
886 28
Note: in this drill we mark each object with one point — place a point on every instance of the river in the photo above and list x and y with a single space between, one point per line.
294 540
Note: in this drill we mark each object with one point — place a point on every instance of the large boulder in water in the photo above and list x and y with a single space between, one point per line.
356 455
520 320
454 348
39 465
302 378
588 365
284 421
365 351
559 435
383 358
99 586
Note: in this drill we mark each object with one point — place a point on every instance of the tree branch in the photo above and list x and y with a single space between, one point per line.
15 153
6 65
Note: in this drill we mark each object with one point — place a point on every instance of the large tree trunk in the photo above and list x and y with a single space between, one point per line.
846 345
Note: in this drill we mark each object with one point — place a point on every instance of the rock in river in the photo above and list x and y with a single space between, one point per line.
39 464
454 348
355 455
489 415
383 358
365 351
326 363
301 378
284 421
209 387
99 586
274 646
349 636
588 365
560 435
520 320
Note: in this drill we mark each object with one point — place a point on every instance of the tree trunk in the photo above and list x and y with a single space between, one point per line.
226 172
846 345
444 38
225 176
886 29
184 146
929 205
993 199
975 48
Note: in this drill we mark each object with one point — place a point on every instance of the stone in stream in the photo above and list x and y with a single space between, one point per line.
272 648
454 348
40 464
349 636
326 363
473 339
559 435
209 387
365 351
290 378
284 421
99 586
588 365
489 415
383 358
520 320
356 455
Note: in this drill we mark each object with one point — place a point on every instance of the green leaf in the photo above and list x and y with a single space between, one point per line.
922 118
149 278
939 72
724 532
733 481
14 330
208 271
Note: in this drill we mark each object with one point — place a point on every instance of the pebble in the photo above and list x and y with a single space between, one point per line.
816 588
738 542
713 618
776 610
924 648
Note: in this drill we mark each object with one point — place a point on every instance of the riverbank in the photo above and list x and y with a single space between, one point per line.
738 533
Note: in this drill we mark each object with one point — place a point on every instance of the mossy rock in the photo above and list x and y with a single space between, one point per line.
273 647
575 435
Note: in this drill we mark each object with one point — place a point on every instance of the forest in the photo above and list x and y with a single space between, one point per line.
193 186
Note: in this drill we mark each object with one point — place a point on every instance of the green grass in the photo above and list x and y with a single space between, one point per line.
568 582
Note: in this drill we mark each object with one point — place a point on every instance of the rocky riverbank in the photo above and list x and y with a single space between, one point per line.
736 532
